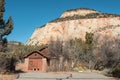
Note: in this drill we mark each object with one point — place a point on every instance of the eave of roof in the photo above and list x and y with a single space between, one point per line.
37 51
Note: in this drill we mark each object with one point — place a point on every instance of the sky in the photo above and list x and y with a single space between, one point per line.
30 14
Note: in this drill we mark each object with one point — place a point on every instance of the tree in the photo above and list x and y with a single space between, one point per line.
74 51
110 50
89 49
106 52
6 59
79 51
55 49
5 27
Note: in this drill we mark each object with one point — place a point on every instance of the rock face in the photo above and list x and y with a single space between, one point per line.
74 24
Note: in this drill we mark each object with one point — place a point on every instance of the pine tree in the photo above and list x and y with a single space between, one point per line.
5 28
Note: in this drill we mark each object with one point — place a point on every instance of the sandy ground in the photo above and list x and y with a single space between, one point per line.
8 77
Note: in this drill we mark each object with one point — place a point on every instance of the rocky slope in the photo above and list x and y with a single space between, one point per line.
74 24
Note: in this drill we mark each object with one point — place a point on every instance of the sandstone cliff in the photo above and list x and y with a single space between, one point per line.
74 24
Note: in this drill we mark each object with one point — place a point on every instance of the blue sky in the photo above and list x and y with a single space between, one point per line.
30 14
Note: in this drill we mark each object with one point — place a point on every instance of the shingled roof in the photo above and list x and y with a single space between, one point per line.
43 52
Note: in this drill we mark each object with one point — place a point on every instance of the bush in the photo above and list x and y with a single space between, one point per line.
80 68
116 71
7 63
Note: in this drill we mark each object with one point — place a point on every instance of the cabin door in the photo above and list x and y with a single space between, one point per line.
35 65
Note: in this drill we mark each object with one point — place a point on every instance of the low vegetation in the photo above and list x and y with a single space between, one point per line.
80 9
116 71
88 16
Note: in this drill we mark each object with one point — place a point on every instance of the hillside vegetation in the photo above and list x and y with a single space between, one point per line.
88 16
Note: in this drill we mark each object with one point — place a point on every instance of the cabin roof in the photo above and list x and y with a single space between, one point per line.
43 52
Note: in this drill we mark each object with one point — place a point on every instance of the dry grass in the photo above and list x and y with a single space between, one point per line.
8 77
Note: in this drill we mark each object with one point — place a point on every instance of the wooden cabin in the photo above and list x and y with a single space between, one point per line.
36 61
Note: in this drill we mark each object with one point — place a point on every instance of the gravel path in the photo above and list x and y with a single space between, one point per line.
62 76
